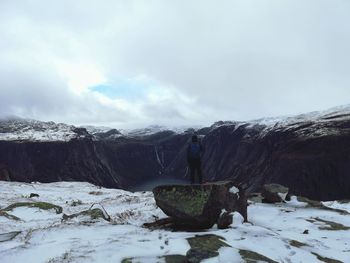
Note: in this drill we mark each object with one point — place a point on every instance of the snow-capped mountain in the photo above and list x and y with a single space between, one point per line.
316 122
154 129
17 129
80 222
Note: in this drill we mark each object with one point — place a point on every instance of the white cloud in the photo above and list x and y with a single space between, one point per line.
196 61
81 76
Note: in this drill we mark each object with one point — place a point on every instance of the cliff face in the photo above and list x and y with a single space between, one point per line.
317 166
121 163
309 155
76 160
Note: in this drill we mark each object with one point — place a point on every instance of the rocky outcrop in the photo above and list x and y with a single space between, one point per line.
199 206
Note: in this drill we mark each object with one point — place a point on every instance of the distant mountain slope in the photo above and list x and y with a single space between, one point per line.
310 153
17 129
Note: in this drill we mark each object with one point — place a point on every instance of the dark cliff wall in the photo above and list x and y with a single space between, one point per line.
121 163
316 166
312 159
76 160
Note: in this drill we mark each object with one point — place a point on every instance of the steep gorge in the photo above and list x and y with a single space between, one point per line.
311 157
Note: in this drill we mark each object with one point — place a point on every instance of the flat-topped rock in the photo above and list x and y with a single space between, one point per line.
200 206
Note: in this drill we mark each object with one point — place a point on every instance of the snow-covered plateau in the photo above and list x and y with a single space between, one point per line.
286 232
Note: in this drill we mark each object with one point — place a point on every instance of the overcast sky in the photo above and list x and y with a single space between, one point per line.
131 64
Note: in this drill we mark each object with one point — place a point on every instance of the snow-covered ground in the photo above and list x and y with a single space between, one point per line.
289 232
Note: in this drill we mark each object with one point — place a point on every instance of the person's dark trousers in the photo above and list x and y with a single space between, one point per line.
195 169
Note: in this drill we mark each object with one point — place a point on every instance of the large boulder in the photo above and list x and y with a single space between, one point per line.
274 193
200 206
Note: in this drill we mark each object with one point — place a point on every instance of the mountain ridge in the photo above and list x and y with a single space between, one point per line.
29 129
309 153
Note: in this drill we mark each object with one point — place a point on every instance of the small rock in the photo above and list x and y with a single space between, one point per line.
225 220
96 193
306 232
204 247
274 193
195 255
33 195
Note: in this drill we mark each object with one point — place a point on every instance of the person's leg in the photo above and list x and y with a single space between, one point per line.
199 172
192 171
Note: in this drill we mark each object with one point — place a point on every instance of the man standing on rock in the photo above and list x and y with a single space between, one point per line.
194 154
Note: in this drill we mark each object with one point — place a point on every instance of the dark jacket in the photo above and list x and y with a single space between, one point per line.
198 155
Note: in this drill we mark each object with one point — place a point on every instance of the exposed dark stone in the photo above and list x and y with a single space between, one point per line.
225 220
164 223
94 214
199 206
33 195
82 132
204 247
165 259
274 193
252 257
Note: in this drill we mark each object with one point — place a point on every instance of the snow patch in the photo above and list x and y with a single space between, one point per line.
237 219
234 190
282 196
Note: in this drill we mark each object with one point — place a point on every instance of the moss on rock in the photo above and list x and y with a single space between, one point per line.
204 247
297 244
175 259
167 259
40 205
253 257
94 214
330 225
325 259
187 202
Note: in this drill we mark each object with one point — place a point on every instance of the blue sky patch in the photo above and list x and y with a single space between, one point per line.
123 89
